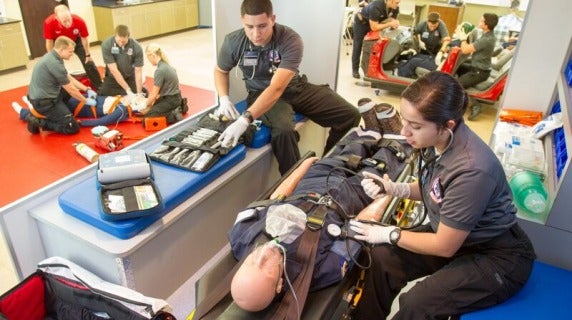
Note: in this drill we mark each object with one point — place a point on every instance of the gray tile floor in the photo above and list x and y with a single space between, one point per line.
192 53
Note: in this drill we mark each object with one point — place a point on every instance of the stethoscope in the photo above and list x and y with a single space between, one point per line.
428 157
273 58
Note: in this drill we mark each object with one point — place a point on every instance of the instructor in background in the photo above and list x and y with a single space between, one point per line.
269 55
63 23
376 16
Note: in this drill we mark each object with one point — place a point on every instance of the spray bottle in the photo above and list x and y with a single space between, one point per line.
85 151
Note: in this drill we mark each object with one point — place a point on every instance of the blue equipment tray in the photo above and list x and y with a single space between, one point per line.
174 184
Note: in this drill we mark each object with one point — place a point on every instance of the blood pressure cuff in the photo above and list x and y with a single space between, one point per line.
197 148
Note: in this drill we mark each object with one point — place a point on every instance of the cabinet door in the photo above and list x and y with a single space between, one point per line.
167 15
451 15
193 13
12 47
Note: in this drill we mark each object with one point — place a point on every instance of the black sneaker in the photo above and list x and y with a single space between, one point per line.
475 111
33 124
356 75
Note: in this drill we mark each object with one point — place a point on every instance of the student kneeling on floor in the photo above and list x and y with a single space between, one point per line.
45 92
164 98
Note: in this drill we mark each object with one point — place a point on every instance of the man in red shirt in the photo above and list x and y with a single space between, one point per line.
63 23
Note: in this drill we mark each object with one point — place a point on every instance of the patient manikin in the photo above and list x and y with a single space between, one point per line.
107 111
260 278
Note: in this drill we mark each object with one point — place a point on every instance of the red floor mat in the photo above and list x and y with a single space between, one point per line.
30 162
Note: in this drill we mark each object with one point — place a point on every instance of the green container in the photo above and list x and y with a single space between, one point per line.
529 193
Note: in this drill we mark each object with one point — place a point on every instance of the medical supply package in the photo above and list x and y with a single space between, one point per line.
126 186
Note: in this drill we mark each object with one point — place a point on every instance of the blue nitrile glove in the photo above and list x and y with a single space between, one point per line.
90 102
91 94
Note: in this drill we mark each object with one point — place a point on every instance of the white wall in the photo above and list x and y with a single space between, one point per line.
545 35
321 38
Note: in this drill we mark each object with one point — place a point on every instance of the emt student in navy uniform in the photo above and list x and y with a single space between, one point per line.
269 55
472 252
123 58
377 15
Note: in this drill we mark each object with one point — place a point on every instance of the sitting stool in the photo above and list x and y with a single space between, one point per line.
546 295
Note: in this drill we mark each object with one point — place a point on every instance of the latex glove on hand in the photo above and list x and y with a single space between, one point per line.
370 187
372 233
226 108
422 45
229 137
373 190
91 94
130 94
90 102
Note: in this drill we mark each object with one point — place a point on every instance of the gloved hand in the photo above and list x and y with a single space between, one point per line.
460 33
90 102
372 233
230 136
91 94
373 190
422 45
130 94
226 108
440 57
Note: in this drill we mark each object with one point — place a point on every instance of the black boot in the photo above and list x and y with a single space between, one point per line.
33 124
366 108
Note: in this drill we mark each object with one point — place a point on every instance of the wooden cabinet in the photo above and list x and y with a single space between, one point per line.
149 19
12 47
451 15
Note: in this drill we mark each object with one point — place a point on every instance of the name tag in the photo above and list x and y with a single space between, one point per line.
251 58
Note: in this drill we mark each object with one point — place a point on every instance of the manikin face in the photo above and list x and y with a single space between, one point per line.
258 279
418 132
258 28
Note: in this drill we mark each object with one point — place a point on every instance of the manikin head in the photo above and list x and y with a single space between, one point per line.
259 278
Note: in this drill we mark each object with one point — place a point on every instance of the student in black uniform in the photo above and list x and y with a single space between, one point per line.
376 16
123 58
473 252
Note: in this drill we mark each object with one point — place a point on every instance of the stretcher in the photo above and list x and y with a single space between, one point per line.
326 303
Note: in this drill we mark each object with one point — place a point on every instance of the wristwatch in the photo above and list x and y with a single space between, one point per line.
248 116
394 236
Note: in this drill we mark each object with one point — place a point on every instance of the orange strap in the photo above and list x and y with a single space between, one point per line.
80 106
37 114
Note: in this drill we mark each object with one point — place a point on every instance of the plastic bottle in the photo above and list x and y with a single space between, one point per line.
85 151
529 192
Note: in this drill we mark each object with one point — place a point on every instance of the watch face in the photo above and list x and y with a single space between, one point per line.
394 235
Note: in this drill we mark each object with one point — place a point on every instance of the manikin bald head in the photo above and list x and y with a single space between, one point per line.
258 279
